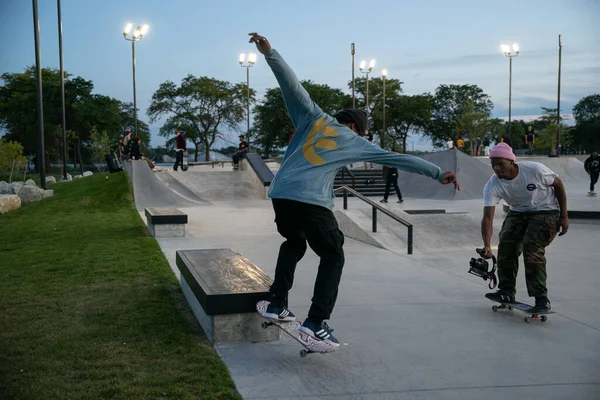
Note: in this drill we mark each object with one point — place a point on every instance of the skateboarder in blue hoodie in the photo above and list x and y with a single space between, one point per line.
302 192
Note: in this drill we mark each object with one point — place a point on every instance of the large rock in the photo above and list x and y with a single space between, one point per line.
69 178
30 182
30 194
88 173
9 202
16 186
50 179
5 188
77 177
48 193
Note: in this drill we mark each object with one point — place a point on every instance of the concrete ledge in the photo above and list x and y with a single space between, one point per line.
222 288
166 222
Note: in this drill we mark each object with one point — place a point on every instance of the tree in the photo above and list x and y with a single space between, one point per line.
11 157
405 115
204 105
587 127
100 145
272 124
448 103
471 125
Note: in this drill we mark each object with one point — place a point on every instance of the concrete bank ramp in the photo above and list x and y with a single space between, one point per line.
432 232
149 191
472 176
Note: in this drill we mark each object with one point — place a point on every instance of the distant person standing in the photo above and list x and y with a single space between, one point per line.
479 143
460 143
127 144
486 146
241 153
592 167
370 139
121 150
450 144
530 139
135 152
180 148
390 174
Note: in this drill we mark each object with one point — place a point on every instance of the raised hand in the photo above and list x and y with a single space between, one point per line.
262 44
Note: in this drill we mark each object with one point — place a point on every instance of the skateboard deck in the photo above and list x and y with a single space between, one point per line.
184 166
292 328
523 307
592 194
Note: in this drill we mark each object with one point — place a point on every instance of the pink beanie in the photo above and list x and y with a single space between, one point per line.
502 150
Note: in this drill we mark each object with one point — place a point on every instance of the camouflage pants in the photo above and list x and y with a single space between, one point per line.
529 234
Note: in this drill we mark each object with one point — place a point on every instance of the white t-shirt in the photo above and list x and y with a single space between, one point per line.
450 144
531 190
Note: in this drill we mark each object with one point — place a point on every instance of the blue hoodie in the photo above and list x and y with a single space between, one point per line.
322 146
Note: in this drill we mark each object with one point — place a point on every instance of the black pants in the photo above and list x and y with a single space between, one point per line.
300 223
237 157
392 180
178 159
593 179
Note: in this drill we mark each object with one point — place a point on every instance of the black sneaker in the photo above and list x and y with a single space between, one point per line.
542 304
500 297
401 201
383 201
279 314
321 332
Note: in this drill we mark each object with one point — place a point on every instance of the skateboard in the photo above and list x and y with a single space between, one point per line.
184 166
592 194
523 307
292 328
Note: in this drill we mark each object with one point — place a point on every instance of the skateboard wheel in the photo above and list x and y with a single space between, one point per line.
265 325
527 319
303 353
495 308
543 318
510 307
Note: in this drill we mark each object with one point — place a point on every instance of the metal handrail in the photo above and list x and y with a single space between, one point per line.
345 169
377 207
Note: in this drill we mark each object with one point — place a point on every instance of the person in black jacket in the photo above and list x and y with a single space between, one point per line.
135 152
390 174
180 148
592 167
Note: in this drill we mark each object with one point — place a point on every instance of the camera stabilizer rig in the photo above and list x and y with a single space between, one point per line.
480 267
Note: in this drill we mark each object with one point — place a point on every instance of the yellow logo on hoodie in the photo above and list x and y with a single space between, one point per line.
308 149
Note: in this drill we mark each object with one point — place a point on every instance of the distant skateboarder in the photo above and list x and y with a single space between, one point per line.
592 167
180 144
302 192
530 139
538 207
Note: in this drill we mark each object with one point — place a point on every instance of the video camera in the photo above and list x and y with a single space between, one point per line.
481 268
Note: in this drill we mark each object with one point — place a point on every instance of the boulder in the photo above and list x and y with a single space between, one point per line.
30 182
48 193
5 188
50 179
30 194
77 177
69 178
88 173
9 202
16 186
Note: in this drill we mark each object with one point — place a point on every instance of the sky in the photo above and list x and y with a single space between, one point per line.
423 44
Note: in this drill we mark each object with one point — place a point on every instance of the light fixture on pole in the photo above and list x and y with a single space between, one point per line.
250 64
137 35
363 68
510 53
558 102
62 92
384 73
353 87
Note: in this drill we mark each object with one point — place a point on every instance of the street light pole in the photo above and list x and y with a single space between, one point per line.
367 71
383 76
62 91
251 62
558 105
40 98
507 52
138 34
353 89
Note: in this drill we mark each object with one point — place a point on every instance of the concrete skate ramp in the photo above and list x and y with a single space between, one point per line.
472 176
149 191
432 232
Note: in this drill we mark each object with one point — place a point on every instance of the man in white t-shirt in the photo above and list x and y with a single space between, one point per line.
450 144
538 208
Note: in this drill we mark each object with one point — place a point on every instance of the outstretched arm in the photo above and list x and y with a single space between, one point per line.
299 104
487 229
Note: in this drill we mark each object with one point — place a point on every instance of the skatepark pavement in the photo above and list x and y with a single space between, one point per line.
418 326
